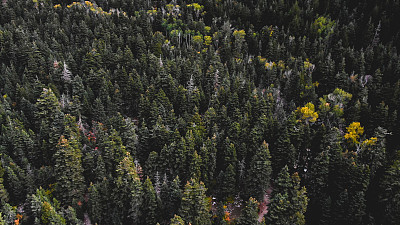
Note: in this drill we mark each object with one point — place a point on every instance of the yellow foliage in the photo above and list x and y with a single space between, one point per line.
268 65
89 3
93 8
353 135
308 65
261 59
342 94
308 113
239 34
354 130
46 210
281 64
196 6
152 12
57 6
169 7
207 40
198 39
370 141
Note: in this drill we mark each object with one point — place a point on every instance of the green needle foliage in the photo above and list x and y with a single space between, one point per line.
178 112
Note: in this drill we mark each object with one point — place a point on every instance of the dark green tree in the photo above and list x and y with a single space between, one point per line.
259 173
171 196
194 207
389 195
249 215
68 171
228 184
128 193
46 210
50 119
319 205
289 201
149 206
177 220
3 191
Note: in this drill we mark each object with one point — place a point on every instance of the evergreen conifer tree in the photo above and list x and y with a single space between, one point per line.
149 206
249 215
289 200
259 173
194 207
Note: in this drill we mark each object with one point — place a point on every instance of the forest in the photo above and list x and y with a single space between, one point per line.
241 112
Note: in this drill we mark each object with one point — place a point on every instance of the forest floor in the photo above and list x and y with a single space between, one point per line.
235 208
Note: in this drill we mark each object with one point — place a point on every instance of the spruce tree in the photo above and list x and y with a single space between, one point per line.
177 220
228 184
319 205
128 193
171 196
45 210
289 200
149 205
194 207
3 191
259 173
49 117
389 195
68 171
249 215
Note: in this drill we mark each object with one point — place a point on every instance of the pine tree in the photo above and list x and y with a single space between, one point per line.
177 220
128 135
3 191
17 183
195 166
389 195
68 171
49 118
194 207
259 173
144 143
208 153
249 215
149 206
45 210
289 201
319 207
18 142
228 184
230 156
219 218
47 105
114 151
95 204
151 165
171 196
282 152
128 193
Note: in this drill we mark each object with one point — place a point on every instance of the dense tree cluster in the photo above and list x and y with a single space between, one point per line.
146 112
